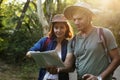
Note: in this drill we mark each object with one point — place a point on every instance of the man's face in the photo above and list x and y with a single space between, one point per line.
81 21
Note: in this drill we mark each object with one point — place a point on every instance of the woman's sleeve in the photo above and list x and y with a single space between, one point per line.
38 45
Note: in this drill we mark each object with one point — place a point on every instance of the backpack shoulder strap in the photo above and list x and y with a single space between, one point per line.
102 37
73 42
104 41
46 43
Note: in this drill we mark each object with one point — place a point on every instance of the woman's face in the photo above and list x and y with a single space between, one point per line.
59 29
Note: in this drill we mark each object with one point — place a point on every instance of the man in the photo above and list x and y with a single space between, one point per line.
91 61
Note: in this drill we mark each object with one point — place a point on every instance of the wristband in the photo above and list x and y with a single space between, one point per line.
99 77
58 70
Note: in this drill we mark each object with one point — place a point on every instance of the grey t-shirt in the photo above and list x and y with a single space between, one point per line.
90 54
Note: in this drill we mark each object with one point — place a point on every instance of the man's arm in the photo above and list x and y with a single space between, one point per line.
69 65
115 56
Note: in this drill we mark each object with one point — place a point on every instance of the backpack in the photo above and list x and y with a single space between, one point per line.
46 43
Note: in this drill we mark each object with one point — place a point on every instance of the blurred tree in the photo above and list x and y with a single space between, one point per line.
110 17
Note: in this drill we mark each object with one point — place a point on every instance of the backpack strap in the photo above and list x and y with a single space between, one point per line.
73 42
46 43
104 42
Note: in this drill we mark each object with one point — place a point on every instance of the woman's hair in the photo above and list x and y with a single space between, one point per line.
68 34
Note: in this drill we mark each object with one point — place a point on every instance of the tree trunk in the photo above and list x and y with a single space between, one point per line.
22 15
42 18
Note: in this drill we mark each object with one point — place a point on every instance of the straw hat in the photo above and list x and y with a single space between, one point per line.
59 18
78 7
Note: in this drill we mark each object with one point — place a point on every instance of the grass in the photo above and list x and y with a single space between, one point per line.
28 71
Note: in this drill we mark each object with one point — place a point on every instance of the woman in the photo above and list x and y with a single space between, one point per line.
58 36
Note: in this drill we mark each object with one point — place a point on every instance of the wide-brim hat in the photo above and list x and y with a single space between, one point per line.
79 7
59 18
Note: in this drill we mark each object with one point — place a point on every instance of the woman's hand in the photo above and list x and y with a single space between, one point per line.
28 54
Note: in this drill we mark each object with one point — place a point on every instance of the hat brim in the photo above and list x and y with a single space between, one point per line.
69 11
58 21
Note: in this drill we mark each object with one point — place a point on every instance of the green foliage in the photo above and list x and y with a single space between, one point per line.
15 43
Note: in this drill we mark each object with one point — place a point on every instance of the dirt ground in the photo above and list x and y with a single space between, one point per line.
7 72
10 72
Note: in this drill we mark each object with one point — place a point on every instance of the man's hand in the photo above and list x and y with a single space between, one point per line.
89 77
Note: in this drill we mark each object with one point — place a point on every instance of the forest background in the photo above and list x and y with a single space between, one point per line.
23 22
